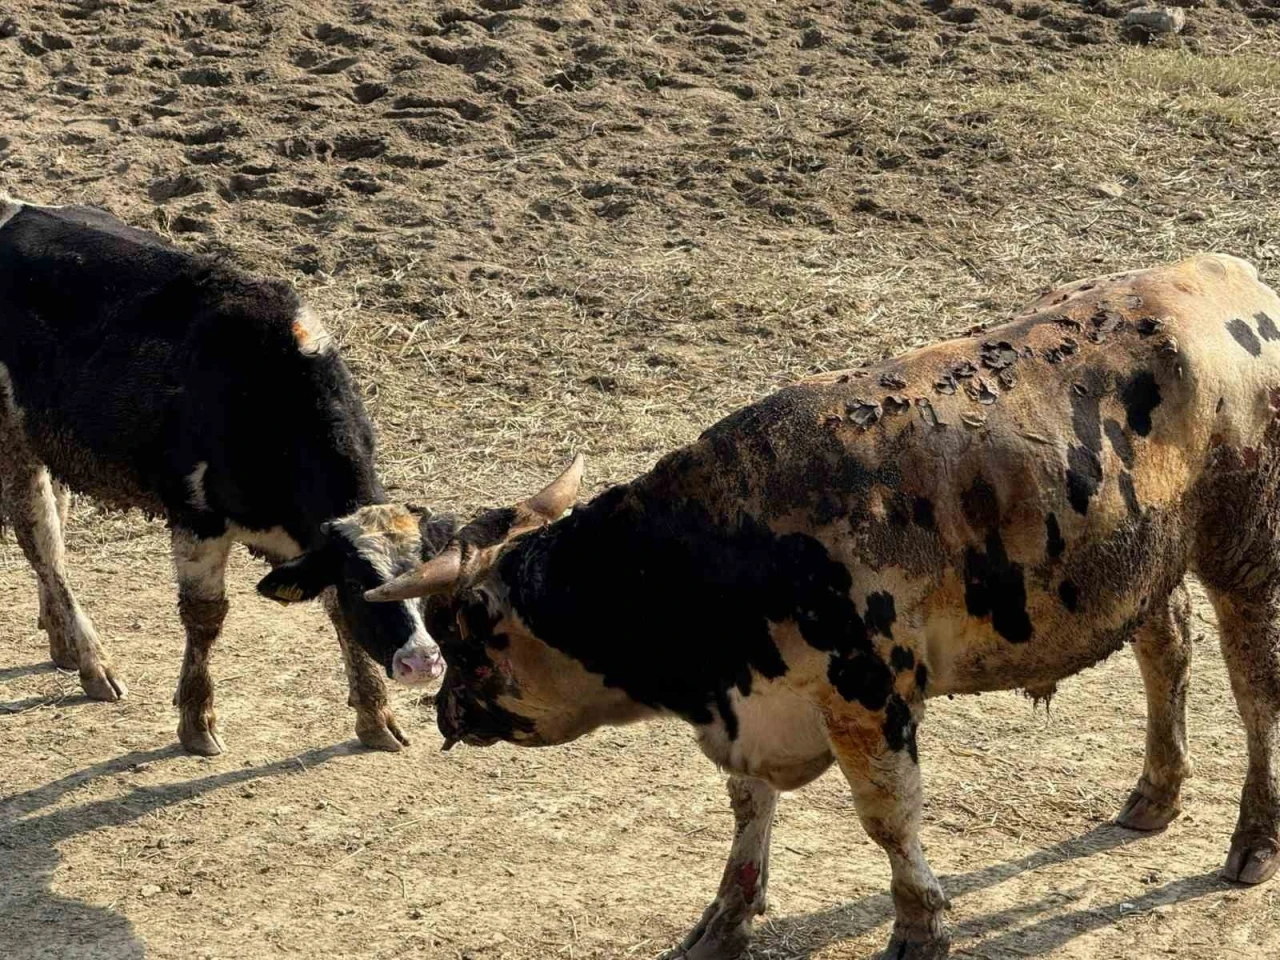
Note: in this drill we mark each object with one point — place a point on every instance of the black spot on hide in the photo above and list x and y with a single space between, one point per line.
1130 495
922 513
1084 476
900 728
1266 327
881 614
995 587
1140 395
1120 441
1240 331
1053 543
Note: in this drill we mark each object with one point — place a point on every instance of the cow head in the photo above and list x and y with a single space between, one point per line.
359 552
502 682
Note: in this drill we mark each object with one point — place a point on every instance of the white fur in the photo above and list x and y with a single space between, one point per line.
9 208
200 565
275 543
312 335
781 737
195 487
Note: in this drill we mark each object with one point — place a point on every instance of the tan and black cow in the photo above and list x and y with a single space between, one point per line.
989 513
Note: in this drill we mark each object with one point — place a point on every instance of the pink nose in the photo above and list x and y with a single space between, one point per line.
418 665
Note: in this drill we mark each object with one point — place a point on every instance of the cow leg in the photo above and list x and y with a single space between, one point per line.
1250 637
33 510
1163 648
725 927
376 726
200 567
887 795
63 656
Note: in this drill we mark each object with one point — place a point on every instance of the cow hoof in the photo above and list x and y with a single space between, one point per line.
379 731
1252 861
99 683
719 935
1143 813
899 949
203 743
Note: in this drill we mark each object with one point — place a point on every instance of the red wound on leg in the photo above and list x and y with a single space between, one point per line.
748 877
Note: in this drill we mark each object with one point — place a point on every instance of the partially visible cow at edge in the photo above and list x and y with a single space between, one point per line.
987 513
147 377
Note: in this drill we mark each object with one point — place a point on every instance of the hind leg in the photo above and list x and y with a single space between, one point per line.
1251 647
32 507
1163 649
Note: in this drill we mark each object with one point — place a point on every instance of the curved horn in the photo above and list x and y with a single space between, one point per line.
435 576
560 494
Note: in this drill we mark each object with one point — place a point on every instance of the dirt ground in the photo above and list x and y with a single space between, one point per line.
539 227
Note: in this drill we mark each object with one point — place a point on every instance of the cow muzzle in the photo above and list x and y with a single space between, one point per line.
418 661
457 723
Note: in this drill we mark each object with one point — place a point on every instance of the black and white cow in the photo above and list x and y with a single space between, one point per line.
144 376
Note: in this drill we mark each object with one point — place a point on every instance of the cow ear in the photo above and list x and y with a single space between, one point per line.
304 578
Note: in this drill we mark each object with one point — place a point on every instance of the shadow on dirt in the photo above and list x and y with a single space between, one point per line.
26 670
38 923
819 930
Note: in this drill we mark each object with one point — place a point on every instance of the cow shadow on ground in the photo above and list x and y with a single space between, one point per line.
26 670
39 923
801 937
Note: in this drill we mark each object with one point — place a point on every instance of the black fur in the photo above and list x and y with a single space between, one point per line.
995 587
1242 335
1141 395
1054 544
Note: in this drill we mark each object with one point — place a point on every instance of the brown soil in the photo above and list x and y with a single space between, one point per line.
540 227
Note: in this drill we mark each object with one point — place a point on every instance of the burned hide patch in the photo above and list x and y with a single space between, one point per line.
1140 395
1119 441
994 587
1244 336
1084 477
894 405
1053 542
998 354
899 728
881 614
1266 327
863 413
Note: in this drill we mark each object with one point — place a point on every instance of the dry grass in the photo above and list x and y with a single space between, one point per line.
607 264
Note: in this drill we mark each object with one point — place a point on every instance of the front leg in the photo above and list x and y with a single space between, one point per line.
876 751
200 565
725 927
376 726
